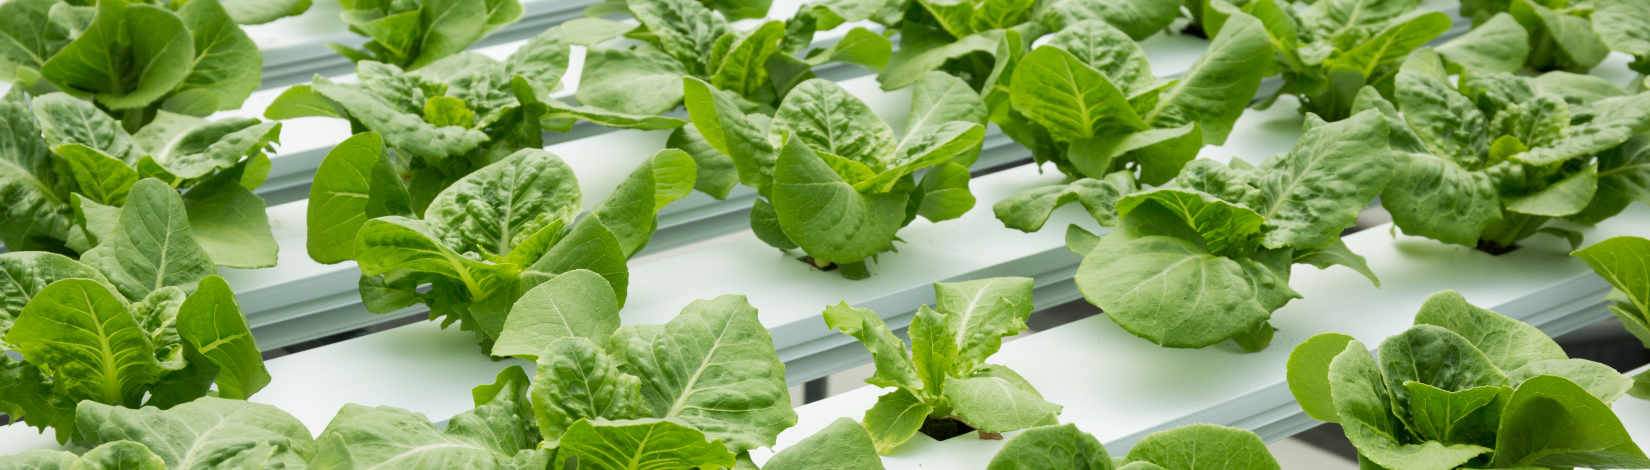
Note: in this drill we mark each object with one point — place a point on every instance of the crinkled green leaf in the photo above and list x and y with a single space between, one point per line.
130 56
68 120
992 404
1319 187
226 62
713 367
895 418
893 362
212 323
1214 91
1071 99
1204 447
98 177
825 215
1050 448
94 346
576 380
495 208
843 444
631 81
642 443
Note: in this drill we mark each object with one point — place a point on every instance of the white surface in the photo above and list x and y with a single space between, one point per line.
1635 413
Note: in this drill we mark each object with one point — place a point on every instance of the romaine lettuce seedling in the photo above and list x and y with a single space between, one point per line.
942 384
486 239
833 179
1490 162
1465 388
1207 258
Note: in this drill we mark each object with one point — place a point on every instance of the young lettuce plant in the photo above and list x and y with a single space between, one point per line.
1502 155
832 178
1231 233
132 59
71 171
943 386
707 387
1465 388
456 115
1189 447
84 343
208 432
488 237
1625 263
411 34
684 38
1330 50
1088 102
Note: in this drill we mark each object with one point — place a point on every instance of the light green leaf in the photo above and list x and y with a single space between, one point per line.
1336 254
1138 18
588 246
401 130
1319 187
1509 343
450 26
152 245
1204 447
631 81
685 29
714 368
130 56
35 206
992 404
39 459
302 101
264 11
1600 380
1028 210
1625 263
1216 89
731 132
203 432
1564 197
936 100
607 118
742 69
1071 99
1618 119
577 381
1406 33
893 363
98 177
978 314
642 443
1051 448
120 455
1592 437
1308 373
85 333
578 303
1223 228
67 120
30 36
387 437
1434 197
1465 416
923 49
25 273
843 444
230 224
389 243
214 326
945 193
1108 50
497 207
339 197
225 63
1131 280
631 212
1498 45
894 419
1624 25
848 226
1561 40
828 119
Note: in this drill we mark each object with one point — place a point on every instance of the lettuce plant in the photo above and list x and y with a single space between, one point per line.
1229 234
488 237
456 115
132 59
684 38
87 340
707 387
411 34
1189 447
1329 50
71 171
1488 163
832 178
973 40
1625 263
942 384
208 432
1088 102
1465 388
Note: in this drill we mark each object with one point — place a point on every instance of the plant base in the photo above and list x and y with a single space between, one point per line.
1494 248
946 428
